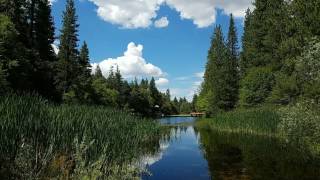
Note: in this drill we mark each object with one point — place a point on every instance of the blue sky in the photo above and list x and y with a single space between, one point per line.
174 50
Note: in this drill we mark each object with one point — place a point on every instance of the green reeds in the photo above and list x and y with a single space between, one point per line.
263 120
49 131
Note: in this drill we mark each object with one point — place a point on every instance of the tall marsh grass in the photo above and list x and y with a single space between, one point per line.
263 120
297 124
35 134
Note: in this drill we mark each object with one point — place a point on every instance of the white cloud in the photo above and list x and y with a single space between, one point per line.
162 82
142 13
52 1
162 22
201 12
128 14
199 74
131 64
55 48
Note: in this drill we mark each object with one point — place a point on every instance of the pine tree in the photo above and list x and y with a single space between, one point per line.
19 75
267 26
194 102
155 94
247 44
46 58
84 61
118 80
68 54
214 83
84 91
232 42
232 67
98 73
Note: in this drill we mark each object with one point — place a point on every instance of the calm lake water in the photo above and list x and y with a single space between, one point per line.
187 153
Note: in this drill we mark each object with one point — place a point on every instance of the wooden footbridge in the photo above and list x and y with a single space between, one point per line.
197 114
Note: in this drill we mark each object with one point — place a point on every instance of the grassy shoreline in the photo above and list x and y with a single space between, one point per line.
297 124
258 121
41 140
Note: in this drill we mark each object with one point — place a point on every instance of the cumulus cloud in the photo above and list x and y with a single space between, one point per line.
162 82
131 64
142 13
128 14
162 22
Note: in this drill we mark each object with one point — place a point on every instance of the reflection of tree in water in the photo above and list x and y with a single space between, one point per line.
154 150
239 156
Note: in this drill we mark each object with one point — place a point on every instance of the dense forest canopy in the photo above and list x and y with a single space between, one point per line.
277 63
29 64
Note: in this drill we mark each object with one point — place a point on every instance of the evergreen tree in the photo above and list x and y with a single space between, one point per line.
84 61
232 67
68 54
214 88
46 58
232 42
19 75
84 91
118 79
155 94
98 73
247 39
194 102
265 30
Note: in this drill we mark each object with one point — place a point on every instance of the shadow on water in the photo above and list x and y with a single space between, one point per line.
186 152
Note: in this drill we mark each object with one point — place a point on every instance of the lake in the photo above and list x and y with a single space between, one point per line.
188 153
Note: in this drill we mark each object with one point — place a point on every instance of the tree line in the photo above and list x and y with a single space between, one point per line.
278 63
28 63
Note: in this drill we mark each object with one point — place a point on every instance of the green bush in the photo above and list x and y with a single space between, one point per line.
300 124
256 86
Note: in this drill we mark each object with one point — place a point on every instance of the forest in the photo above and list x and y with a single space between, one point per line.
59 119
270 84
30 65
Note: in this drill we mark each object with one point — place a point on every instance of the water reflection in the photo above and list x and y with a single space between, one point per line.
186 152
176 120
240 156
181 159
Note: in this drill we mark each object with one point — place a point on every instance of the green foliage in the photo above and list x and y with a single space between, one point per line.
15 67
221 80
67 71
263 121
300 76
300 124
202 102
103 94
285 90
45 57
34 133
256 86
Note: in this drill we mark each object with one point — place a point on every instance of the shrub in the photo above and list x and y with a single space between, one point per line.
300 124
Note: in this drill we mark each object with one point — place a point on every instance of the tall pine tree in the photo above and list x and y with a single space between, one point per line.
67 66
232 67
43 40
83 82
214 83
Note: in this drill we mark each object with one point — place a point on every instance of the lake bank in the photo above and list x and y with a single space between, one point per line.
297 124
